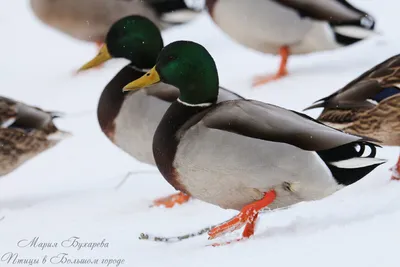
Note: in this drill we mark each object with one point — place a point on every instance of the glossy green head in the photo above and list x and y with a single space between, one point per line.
187 66
135 38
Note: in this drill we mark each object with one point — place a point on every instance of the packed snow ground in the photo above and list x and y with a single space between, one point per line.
69 191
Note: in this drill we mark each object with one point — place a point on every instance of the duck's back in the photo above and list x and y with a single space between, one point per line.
88 20
261 25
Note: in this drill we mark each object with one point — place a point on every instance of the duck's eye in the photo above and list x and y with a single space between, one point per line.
171 57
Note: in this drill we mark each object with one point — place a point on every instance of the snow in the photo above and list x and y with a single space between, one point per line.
70 190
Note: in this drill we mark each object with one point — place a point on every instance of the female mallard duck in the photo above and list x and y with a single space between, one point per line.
244 154
130 120
290 26
368 106
89 20
25 131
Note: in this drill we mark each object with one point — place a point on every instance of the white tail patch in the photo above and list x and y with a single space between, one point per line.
355 32
58 136
8 122
355 163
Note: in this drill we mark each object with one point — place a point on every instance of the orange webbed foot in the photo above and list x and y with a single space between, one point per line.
247 216
171 200
282 72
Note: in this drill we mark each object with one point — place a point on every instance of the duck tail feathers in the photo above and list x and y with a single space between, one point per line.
317 104
350 32
351 162
56 114
355 163
321 103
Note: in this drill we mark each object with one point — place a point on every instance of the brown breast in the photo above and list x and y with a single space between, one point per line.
112 98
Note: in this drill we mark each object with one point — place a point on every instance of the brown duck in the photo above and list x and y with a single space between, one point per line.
25 131
368 106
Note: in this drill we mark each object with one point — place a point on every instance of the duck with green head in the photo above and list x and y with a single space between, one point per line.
368 106
244 154
129 120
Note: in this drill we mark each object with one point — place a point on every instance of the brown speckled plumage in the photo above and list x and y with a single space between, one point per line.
29 132
355 110
381 122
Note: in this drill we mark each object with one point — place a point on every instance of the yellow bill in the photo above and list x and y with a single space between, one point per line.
101 57
151 77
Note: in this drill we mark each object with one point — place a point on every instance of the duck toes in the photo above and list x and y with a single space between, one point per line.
290 26
25 132
368 106
129 120
244 154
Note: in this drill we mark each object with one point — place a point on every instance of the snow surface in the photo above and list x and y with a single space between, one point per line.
70 190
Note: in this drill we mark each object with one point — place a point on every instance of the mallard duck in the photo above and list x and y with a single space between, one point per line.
244 154
25 131
290 26
130 120
368 106
90 20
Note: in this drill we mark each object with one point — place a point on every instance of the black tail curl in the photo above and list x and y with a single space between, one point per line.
347 152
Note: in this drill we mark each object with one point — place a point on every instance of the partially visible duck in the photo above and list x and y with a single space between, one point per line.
288 27
129 120
368 106
90 20
25 132
244 154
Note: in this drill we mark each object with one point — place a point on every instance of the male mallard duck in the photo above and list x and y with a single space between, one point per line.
368 106
89 20
244 154
130 120
25 131
290 26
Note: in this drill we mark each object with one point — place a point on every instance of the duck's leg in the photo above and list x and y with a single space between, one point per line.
396 171
171 200
247 216
282 71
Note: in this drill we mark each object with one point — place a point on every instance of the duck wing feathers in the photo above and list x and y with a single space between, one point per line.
376 84
268 122
348 157
336 12
20 115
